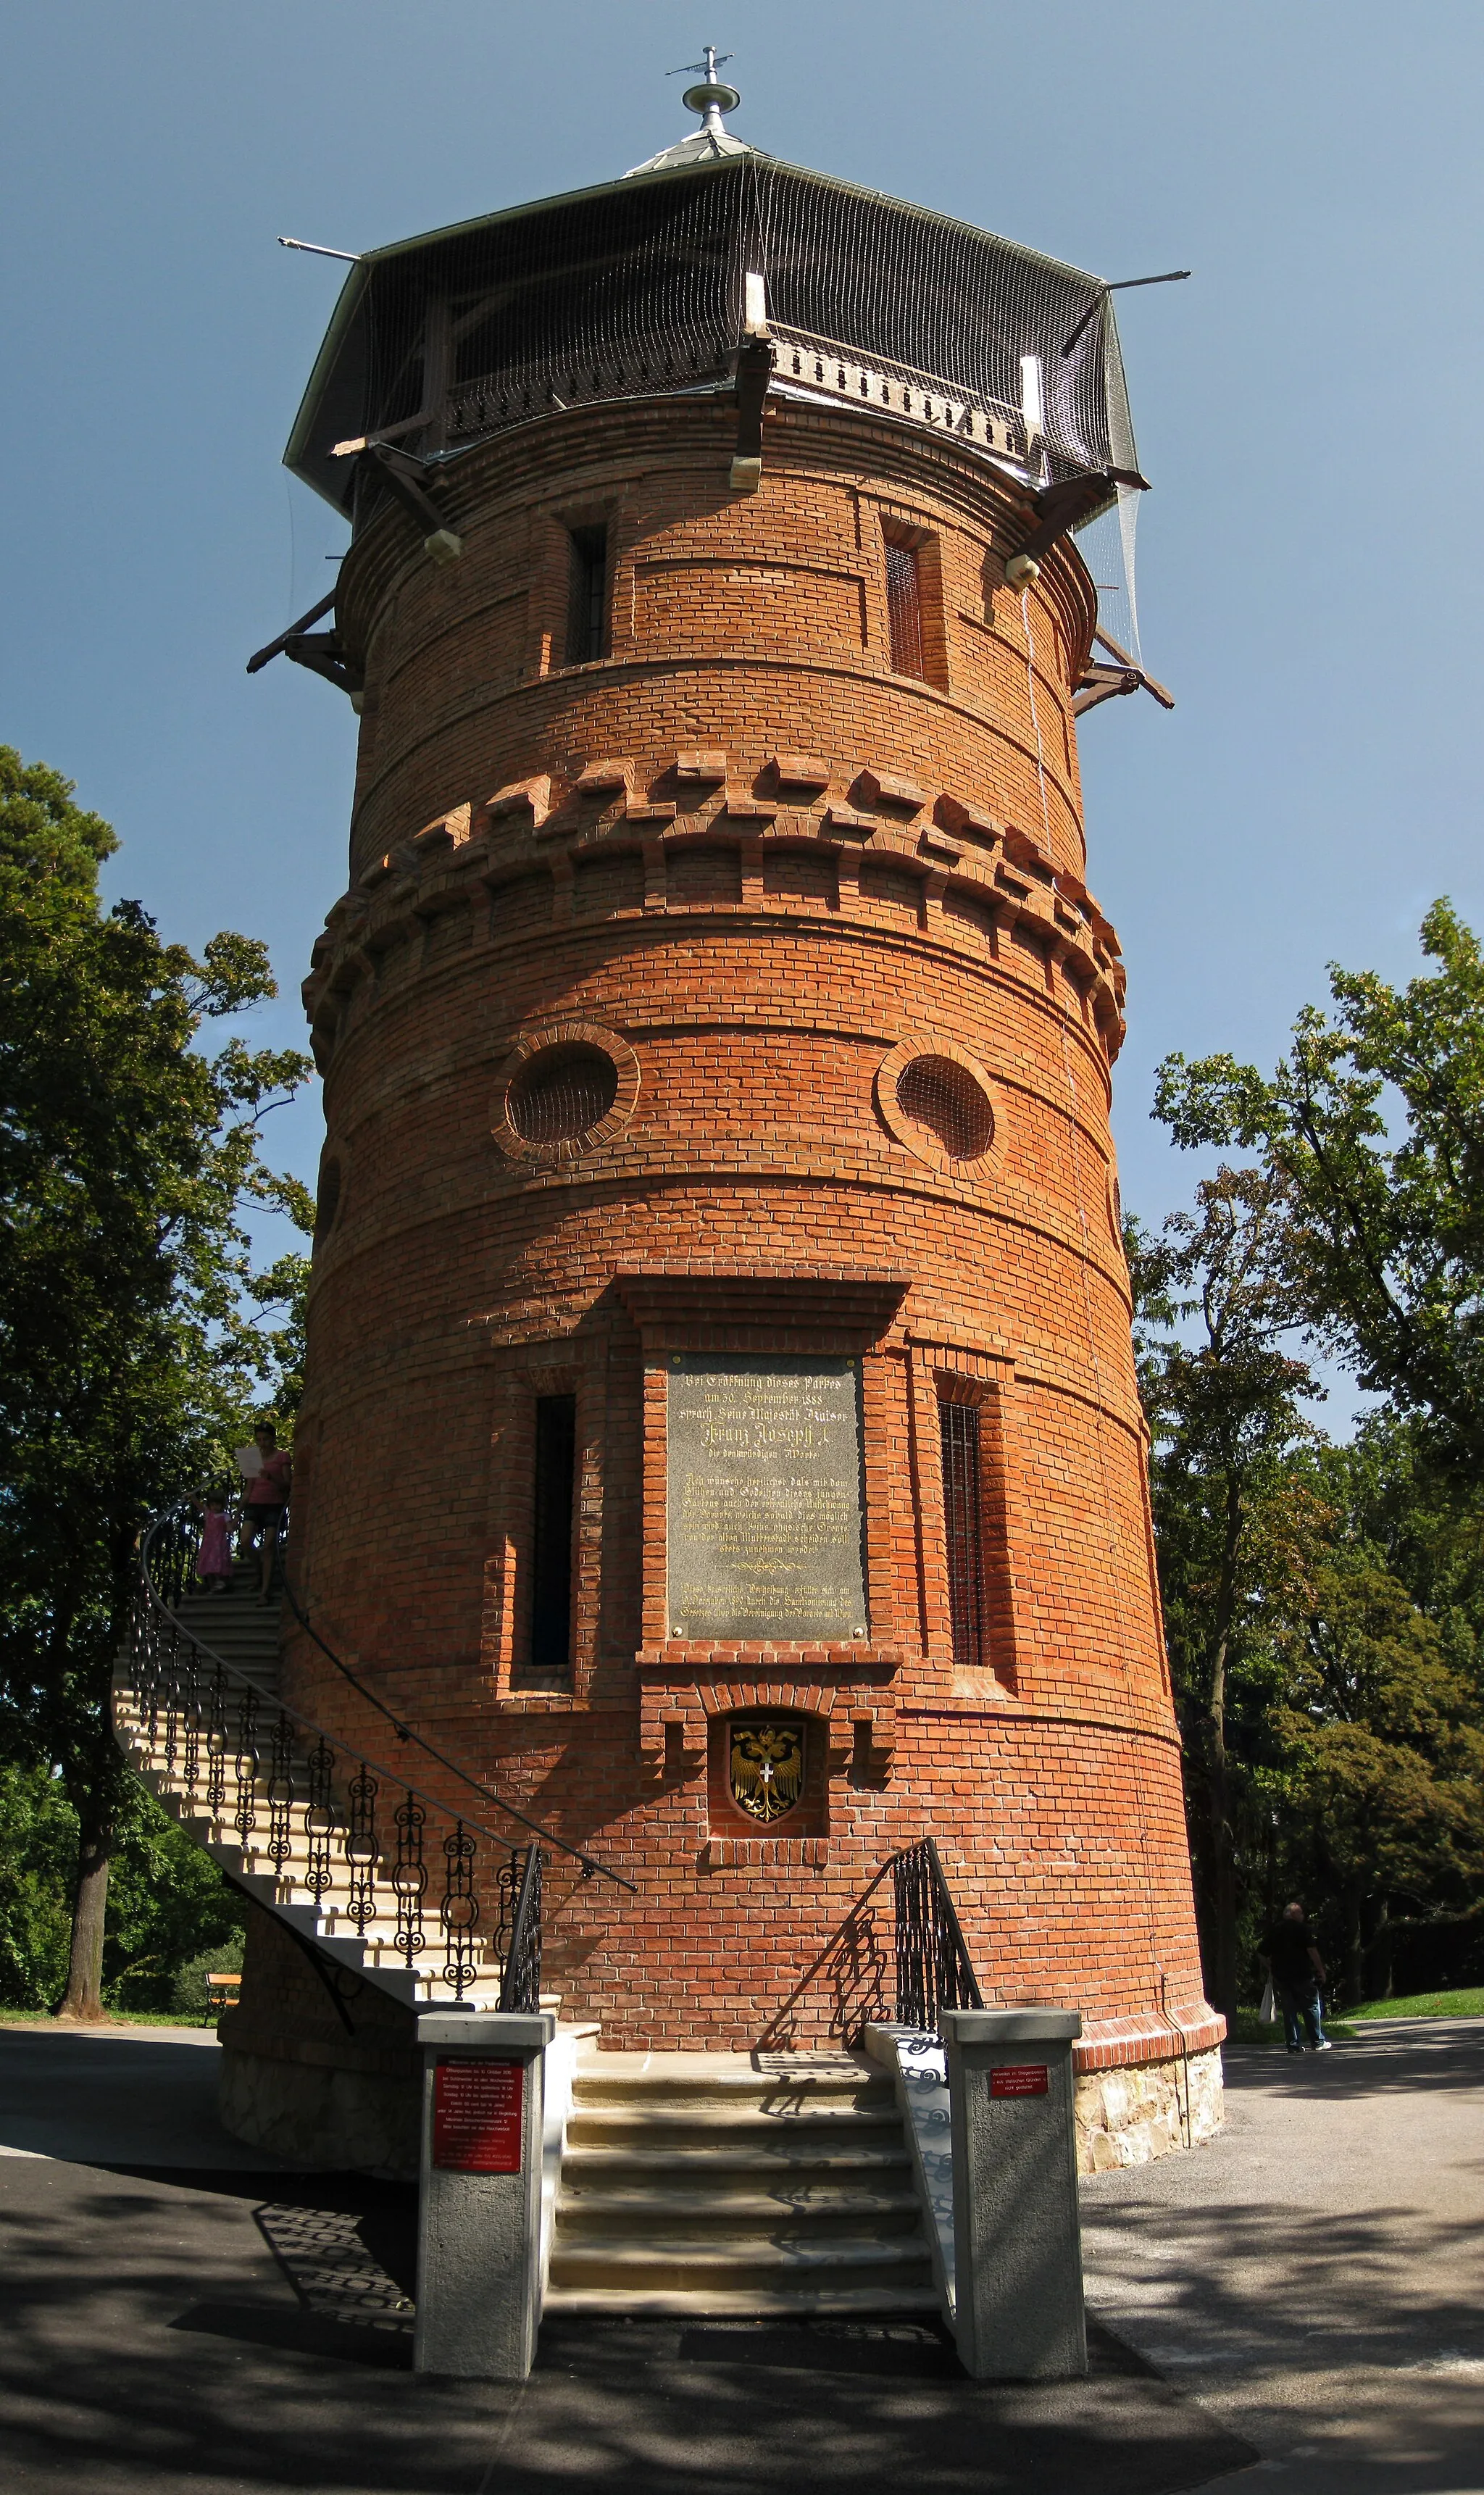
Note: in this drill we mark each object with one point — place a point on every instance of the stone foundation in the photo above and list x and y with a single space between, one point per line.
317 2118
322 2087
1131 2115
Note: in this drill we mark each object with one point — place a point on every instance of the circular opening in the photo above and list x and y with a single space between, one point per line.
561 1094
327 1200
943 1096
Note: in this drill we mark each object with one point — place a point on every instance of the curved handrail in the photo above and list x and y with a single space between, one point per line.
591 1866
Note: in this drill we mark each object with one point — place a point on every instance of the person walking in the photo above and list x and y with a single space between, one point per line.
263 1508
1291 1955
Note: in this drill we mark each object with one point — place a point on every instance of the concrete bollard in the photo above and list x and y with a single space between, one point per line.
479 2195
1018 2241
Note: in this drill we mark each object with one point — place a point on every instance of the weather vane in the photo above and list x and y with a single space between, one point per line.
713 97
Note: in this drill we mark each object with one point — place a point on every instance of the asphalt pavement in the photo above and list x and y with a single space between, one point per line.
1297 2301
1315 2275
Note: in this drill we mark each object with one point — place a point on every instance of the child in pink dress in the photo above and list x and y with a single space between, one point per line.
213 1560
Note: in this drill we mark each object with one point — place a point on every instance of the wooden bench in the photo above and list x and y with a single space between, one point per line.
222 1993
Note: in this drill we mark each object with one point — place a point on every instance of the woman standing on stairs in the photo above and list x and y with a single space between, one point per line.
267 1496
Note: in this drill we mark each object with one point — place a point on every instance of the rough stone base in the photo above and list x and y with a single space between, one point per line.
1129 2117
349 2121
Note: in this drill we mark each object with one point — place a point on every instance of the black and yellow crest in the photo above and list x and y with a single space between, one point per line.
767 1768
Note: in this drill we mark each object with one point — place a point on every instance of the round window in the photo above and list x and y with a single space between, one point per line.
560 1094
942 1095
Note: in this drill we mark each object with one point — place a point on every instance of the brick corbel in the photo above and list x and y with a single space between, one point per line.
696 1305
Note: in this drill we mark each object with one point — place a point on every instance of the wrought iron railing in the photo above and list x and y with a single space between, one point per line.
360 1836
934 1969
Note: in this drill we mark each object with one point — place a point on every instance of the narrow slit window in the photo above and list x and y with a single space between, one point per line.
556 1452
962 1513
904 608
587 605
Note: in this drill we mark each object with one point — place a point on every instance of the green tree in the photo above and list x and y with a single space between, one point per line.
1233 1526
134 1332
1374 1124
1380 1731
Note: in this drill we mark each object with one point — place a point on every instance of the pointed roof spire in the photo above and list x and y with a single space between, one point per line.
711 98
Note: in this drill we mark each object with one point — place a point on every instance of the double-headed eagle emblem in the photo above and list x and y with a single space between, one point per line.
767 1769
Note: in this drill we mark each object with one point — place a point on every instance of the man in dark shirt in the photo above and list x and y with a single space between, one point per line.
1291 1953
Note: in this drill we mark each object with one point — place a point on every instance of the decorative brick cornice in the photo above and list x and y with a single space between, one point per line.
981 880
695 1303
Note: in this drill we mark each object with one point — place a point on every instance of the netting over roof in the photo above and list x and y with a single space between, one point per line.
640 287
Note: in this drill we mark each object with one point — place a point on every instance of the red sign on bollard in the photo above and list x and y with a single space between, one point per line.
477 2109
1019 2079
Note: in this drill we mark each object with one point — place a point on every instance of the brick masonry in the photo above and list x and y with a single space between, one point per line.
759 873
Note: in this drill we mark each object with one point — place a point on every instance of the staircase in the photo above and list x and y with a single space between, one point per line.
706 2184
370 1871
237 1627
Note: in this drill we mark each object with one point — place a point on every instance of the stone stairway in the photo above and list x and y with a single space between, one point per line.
244 1635
711 2183
236 1626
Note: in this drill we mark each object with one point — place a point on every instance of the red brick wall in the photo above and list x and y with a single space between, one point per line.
798 871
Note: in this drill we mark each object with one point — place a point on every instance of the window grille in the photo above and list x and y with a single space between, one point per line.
903 610
587 605
556 1451
943 1096
560 1094
961 1500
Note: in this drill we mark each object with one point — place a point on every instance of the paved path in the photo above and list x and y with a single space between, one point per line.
1315 2275
1308 2287
170 2331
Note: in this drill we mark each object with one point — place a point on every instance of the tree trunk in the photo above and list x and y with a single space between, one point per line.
1223 1971
1355 1945
1381 1957
84 1997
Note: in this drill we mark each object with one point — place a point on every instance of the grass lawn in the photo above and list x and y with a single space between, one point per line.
113 2018
1465 2003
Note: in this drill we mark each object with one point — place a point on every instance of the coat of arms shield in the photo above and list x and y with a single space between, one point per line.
766 1767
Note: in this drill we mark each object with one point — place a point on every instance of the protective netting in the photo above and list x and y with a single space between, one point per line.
561 1094
640 288
943 1096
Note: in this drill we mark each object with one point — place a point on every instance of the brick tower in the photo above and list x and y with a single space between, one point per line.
721 1433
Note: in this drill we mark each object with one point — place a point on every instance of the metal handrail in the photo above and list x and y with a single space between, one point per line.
591 1867
933 1968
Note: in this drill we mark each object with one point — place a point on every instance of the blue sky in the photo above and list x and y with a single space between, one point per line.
1306 409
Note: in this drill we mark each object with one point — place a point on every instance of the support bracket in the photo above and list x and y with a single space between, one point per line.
1060 508
1100 682
404 476
755 371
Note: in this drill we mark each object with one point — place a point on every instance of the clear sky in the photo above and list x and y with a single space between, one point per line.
1307 409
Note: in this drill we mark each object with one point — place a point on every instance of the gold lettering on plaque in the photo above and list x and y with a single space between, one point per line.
764 1500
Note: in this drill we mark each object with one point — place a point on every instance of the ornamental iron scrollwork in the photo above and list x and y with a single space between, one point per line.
934 1969
458 1911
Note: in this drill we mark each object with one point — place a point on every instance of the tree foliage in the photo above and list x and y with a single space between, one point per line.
134 1333
1325 1605
1384 1246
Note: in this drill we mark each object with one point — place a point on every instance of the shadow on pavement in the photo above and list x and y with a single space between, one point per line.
175 2334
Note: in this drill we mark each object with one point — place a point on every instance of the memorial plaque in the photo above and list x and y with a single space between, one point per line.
477 2107
764 1500
1019 2079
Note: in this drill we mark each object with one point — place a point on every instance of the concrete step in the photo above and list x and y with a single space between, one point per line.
725 2157
660 2132
738 2265
721 2305
810 2215
724 2184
